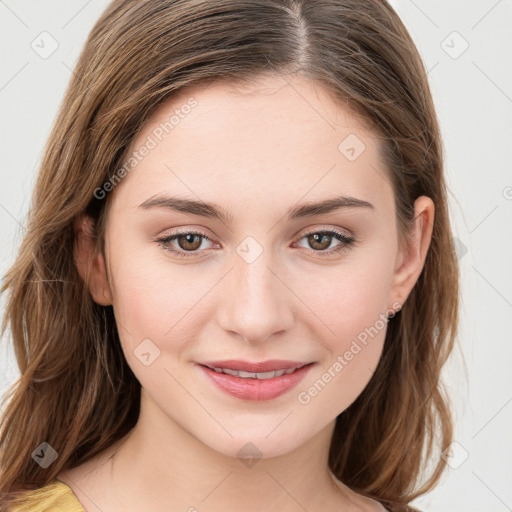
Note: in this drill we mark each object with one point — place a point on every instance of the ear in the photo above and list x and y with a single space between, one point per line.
411 257
90 262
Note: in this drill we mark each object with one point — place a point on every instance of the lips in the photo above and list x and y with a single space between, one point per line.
246 380
254 367
254 375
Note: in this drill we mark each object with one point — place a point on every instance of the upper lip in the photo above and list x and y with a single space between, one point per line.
254 367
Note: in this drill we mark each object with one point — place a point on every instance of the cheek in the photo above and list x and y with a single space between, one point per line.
350 297
156 308
157 300
351 304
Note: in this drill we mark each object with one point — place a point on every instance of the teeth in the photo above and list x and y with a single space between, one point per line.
257 375
228 371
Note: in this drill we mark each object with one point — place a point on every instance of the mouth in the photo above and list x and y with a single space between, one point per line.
255 381
255 370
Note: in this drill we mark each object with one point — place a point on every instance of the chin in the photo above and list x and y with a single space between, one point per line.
257 443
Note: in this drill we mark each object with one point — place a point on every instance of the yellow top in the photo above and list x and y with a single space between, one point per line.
58 497
53 497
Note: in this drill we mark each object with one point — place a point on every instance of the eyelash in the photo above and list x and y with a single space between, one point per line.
346 242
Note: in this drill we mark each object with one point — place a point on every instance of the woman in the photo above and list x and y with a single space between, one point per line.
237 287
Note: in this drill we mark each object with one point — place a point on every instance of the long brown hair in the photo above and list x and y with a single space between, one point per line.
76 391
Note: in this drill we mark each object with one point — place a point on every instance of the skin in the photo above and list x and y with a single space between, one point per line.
256 152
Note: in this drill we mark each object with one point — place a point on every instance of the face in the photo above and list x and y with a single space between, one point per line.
268 276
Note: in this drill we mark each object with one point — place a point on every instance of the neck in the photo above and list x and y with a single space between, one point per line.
180 469
158 465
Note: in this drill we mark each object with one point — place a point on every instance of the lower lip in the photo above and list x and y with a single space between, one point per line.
256 389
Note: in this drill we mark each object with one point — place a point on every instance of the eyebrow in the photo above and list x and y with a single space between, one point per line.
214 211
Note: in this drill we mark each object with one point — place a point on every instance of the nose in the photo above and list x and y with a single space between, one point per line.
256 302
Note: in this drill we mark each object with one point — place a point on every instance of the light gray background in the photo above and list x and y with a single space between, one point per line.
472 89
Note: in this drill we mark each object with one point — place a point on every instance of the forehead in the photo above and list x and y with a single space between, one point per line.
280 139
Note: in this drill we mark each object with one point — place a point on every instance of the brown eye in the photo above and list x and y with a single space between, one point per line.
183 244
189 242
319 241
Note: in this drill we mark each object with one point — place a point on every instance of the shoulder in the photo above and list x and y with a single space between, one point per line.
55 496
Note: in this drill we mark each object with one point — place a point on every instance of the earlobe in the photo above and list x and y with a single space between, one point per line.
411 258
90 262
